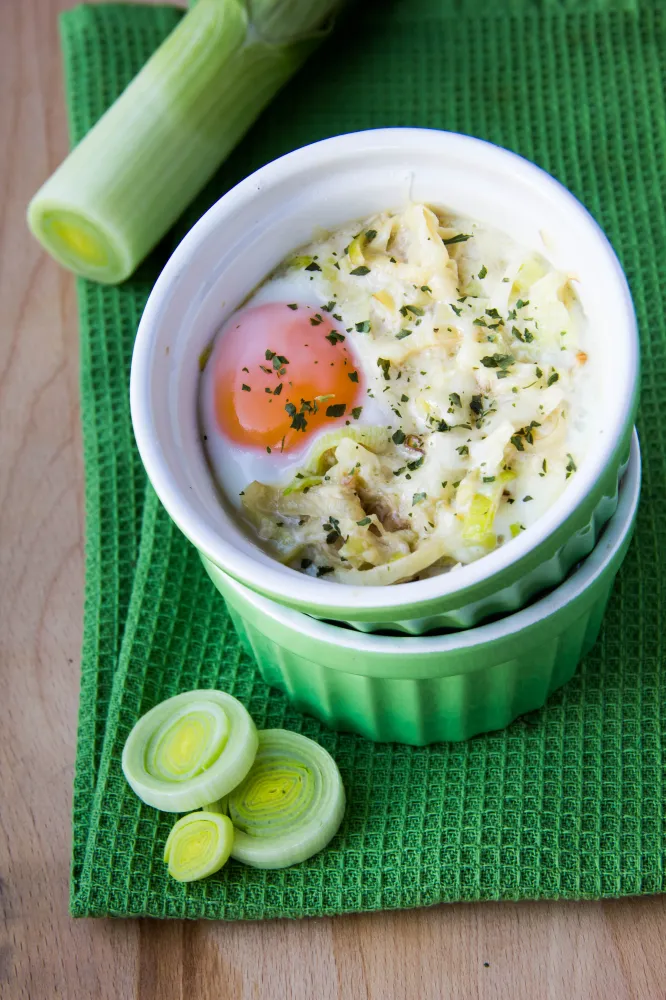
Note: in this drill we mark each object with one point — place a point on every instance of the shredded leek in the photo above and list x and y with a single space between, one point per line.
479 520
401 568
128 180
190 750
199 845
289 806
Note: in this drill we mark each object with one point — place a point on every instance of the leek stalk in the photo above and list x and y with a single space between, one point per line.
190 750
129 179
289 806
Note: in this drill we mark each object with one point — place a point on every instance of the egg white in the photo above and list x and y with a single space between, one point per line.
233 466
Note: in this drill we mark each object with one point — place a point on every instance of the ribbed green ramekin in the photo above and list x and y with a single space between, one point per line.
443 687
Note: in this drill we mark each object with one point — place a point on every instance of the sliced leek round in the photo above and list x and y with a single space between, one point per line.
289 806
199 845
190 750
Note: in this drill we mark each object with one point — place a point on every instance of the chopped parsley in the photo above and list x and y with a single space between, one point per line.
502 361
455 399
323 570
365 520
329 306
385 365
456 310
571 466
336 410
527 499
521 305
488 479
463 449
476 405
245 388
398 437
316 320
414 310
416 464
526 337
459 238
370 235
353 376
359 271
363 327
356 412
333 529
526 433
418 497
334 337
426 288
298 421
314 266
553 378
484 271
403 334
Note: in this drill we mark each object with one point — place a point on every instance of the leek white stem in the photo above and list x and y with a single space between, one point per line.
289 806
190 750
198 845
133 174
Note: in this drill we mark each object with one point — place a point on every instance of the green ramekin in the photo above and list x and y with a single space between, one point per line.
442 687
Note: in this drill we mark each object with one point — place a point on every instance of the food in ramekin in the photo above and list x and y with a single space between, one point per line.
399 397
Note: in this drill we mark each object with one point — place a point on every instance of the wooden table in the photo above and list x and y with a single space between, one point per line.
613 951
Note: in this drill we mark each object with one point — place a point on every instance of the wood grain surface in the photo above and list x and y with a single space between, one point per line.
558 951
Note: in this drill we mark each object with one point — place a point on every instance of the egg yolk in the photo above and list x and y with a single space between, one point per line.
281 373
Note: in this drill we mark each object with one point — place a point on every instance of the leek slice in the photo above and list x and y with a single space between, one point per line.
289 806
375 439
125 184
199 845
190 750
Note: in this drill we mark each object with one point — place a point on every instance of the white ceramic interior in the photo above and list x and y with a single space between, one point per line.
248 232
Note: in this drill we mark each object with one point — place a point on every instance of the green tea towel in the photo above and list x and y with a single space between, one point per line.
567 802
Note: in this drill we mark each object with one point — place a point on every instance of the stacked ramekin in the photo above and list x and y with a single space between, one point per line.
452 655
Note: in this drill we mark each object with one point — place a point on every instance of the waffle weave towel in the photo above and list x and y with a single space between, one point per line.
568 802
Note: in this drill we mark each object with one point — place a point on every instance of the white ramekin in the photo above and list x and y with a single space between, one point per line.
245 234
